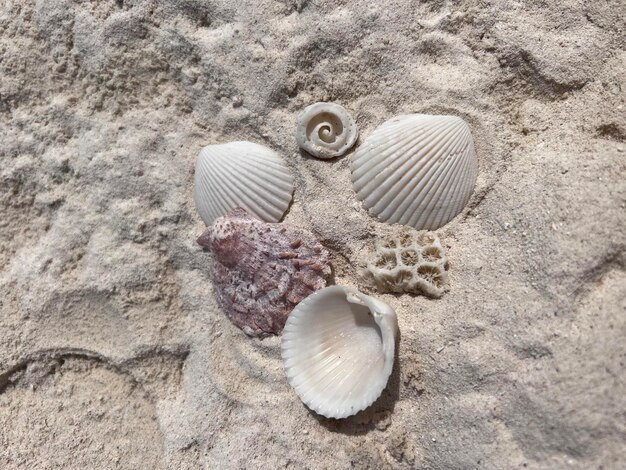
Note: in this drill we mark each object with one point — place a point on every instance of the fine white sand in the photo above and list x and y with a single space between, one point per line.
113 352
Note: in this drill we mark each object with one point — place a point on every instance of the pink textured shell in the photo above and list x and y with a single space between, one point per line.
263 270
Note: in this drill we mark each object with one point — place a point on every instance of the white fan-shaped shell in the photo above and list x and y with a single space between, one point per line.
241 174
338 349
326 130
416 170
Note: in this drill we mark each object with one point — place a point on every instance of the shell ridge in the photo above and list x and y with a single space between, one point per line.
369 189
266 186
356 382
210 194
328 378
266 166
428 204
406 184
240 195
313 358
473 175
275 176
313 374
266 161
321 342
438 177
469 182
330 325
315 388
416 182
243 174
448 178
364 154
383 156
396 122
381 162
338 385
322 355
270 205
408 156
268 202
415 170
452 201
198 196
373 393
418 205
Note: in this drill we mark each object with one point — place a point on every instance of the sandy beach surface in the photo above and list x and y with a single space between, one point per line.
113 351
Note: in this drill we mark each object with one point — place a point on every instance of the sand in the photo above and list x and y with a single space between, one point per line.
113 352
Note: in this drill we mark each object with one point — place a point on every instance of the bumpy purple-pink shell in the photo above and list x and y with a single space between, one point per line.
263 270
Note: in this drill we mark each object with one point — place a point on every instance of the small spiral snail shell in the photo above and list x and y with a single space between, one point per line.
326 130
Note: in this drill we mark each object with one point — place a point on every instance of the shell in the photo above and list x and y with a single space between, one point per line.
416 170
338 349
241 174
326 130
261 271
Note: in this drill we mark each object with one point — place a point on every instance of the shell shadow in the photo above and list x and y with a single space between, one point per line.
307 156
376 416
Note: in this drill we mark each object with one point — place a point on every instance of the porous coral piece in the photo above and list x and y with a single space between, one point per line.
263 270
411 262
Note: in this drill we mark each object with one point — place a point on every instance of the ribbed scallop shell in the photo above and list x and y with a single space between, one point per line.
241 174
338 349
416 170
326 130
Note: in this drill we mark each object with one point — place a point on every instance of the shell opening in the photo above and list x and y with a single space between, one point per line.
338 347
326 130
326 134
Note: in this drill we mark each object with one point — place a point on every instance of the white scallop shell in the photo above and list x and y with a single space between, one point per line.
241 174
326 130
338 349
416 170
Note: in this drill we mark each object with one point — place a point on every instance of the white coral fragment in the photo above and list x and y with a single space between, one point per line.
412 262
